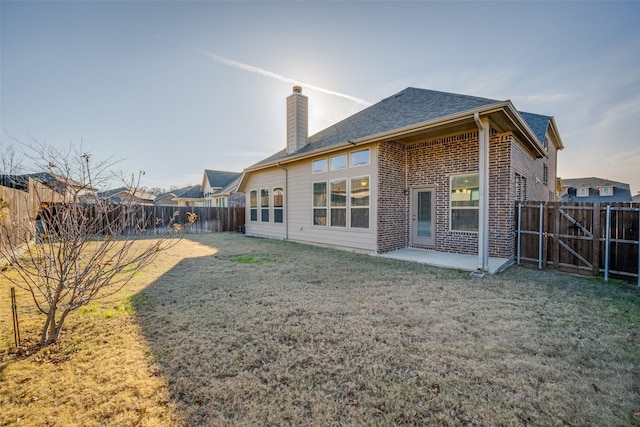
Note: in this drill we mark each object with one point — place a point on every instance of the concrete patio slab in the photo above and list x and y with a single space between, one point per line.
447 260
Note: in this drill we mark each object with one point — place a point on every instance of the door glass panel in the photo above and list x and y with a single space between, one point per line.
424 214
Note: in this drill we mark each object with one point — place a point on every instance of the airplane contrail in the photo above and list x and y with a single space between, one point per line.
267 73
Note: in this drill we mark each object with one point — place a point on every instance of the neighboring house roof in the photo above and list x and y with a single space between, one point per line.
220 179
117 194
410 108
592 182
231 187
190 192
636 198
621 191
55 182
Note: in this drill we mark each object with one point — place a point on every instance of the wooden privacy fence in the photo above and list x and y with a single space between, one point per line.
14 208
160 219
584 238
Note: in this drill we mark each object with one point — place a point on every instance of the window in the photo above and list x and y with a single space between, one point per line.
253 205
359 158
520 187
339 203
545 175
278 199
360 202
465 196
319 166
545 144
264 205
338 162
221 202
319 203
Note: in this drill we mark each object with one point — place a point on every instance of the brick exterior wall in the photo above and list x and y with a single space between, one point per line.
524 164
393 203
431 163
501 196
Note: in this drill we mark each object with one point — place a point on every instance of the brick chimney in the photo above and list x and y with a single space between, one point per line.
297 120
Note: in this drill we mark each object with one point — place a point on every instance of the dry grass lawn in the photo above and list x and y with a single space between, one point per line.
230 330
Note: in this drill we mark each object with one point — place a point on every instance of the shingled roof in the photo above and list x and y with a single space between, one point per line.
621 190
538 124
190 192
410 106
220 179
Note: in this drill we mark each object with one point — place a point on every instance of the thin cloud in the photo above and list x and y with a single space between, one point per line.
271 74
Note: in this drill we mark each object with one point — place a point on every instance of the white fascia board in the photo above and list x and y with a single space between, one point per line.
554 129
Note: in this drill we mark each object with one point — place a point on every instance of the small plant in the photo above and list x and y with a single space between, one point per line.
191 217
4 209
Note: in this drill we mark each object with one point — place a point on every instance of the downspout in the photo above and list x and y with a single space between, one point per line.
483 177
286 200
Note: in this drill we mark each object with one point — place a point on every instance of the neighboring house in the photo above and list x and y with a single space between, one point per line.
420 168
187 196
220 189
594 189
170 198
636 198
47 187
60 185
126 195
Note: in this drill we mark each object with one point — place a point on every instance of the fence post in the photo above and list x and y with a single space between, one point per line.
556 235
519 230
540 236
14 312
607 244
595 235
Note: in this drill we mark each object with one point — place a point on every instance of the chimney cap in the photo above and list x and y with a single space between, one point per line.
297 89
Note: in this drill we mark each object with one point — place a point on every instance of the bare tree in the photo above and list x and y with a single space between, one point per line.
10 160
75 247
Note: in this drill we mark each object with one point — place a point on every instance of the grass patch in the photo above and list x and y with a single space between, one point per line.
124 308
333 338
254 259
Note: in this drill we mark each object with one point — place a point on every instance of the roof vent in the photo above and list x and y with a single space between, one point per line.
297 89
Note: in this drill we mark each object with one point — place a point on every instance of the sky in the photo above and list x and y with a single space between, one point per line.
173 88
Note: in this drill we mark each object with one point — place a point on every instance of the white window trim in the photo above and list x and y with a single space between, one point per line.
257 208
358 151
313 171
451 207
268 208
325 207
368 177
273 204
